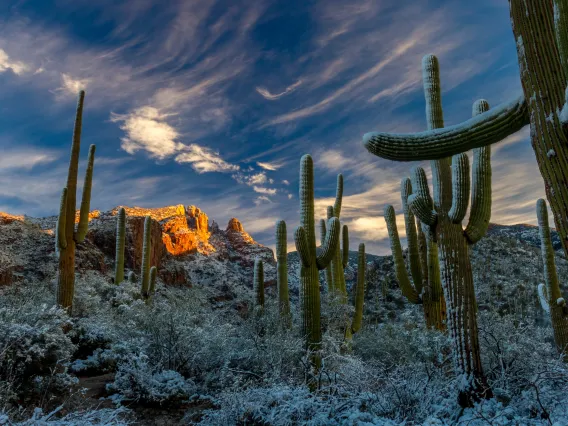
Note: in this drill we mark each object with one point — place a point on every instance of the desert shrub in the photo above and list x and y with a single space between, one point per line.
34 347
137 380
101 417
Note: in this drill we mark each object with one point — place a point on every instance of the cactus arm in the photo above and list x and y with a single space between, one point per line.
543 297
460 187
402 276
411 237
338 196
328 275
423 252
61 241
329 246
421 208
302 246
550 275
360 290
86 199
481 186
146 257
345 249
120 239
485 129
258 282
322 230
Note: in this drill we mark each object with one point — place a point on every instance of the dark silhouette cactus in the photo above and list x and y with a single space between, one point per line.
66 236
258 284
550 294
145 273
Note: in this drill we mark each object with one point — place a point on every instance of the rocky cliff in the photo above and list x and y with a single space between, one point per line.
185 248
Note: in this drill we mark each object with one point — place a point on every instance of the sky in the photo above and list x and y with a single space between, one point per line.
213 103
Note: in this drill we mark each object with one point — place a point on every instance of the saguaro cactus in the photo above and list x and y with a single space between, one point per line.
359 290
540 29
339 260
282 271
120 237
442 217
67 237
550 295
145 273
312 260
258 283
153 275
424 266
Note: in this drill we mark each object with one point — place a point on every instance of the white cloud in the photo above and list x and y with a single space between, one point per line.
6 64
262 190
285 182
146 130
290 196
272 97
71 85
269 166
334 160
375 227
204 160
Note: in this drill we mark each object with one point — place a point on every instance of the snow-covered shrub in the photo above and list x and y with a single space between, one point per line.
283 405
101 417
33 343
139 381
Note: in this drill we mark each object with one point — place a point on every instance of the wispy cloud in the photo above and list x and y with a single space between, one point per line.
204 160
72 86
262 190
269 166
6 64
272 97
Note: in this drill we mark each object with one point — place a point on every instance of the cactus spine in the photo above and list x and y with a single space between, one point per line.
540 29
120 237
312 261
442 217
146 257
550 295
258 283
282 272
67 237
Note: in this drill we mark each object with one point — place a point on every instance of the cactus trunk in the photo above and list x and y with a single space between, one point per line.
550 294
145 273
258 284
120 238
311 262
282 272
66 236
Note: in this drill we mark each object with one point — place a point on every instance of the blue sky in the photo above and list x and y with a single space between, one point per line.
213 103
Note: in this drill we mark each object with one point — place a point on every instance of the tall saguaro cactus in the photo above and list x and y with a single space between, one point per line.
540 29
550 295
312 260
67 237
282 271
258 283
120 238
442 217
145 273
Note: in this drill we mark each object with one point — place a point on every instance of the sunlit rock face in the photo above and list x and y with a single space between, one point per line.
184 247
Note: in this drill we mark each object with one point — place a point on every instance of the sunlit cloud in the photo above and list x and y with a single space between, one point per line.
269 166
6 64
203 160
262 190
72 86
